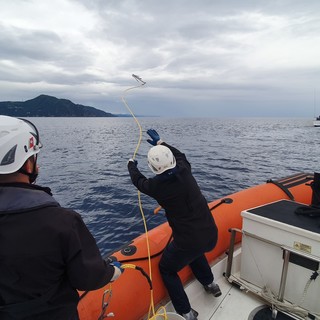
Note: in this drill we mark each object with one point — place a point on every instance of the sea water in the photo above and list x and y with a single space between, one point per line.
84 162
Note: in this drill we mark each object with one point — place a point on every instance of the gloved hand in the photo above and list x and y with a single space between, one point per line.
117 270
154 136
117 264
134 161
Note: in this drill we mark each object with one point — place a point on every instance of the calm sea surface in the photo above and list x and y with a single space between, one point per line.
84 162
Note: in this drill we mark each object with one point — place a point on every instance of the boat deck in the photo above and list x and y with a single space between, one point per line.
234 303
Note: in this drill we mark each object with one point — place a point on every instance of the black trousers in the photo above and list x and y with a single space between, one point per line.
172 261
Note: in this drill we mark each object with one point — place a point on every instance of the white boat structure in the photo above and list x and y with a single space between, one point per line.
316 122
266 262
272 275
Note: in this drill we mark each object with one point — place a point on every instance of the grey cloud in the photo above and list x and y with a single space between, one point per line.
35 54
17 43
187 51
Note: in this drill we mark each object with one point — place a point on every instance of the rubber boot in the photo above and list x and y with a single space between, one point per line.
213 288
191 315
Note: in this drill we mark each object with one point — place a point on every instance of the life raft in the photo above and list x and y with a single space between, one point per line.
130 298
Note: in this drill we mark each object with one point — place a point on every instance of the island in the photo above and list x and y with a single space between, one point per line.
49 106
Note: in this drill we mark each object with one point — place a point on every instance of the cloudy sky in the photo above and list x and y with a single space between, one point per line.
198 57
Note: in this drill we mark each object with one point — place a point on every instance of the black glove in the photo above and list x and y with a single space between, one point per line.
135 162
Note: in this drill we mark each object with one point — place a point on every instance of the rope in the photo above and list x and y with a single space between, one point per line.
107 294
142 83
133 266
266 294
161 314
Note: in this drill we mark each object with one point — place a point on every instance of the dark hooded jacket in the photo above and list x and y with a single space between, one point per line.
46 254
186 208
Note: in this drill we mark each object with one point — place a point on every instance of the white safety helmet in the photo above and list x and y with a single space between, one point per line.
160 159
19 140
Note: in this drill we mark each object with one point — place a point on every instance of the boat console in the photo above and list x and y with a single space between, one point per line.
281 255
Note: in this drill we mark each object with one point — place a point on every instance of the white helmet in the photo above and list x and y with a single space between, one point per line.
19 140
160 159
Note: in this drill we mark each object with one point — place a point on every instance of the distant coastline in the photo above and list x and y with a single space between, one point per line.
49 106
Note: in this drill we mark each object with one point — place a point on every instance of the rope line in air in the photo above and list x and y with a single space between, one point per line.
142 83
151 314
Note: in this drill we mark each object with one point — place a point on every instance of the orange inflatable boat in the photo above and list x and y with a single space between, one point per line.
129 298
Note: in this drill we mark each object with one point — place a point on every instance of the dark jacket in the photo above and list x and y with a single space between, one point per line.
186 208
46 253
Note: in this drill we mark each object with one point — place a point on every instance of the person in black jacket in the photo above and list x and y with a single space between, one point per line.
193 228
46 251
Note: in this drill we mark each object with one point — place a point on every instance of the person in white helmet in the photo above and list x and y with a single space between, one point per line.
46 251
194 230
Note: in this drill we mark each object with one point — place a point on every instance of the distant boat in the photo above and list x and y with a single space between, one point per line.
316 122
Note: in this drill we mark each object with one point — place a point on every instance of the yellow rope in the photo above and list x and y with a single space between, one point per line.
128 266
161 312
151 308
136 120
162 315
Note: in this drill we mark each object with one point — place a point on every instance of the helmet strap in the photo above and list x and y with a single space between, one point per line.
32 175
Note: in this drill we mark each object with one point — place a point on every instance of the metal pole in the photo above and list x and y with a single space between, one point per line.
284 274
230 252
